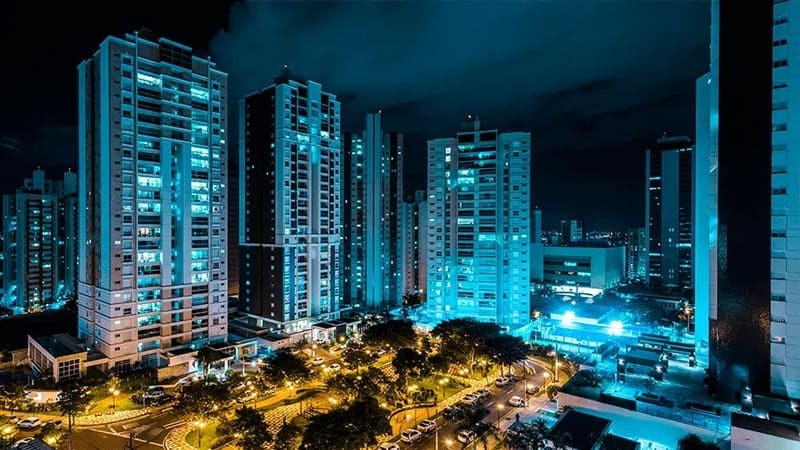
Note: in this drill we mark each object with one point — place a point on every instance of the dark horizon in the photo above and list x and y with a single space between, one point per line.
594 99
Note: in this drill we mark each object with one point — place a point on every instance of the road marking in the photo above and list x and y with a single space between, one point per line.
174 424
122 435
490 403
112 430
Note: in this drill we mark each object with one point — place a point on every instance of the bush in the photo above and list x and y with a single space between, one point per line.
552 392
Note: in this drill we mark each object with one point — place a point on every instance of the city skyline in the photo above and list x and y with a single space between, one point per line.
564 102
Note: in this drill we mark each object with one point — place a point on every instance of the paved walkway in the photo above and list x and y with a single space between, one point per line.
84 420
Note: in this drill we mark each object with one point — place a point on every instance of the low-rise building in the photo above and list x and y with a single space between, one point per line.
755 433
579 267
60 357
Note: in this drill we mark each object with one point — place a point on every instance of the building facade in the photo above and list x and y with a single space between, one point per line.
289 210
152 201
39 227
372 226
668 213
414 242
636 254
581 267
479 226
571 231
785 211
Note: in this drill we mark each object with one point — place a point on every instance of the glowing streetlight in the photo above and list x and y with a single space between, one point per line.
500 409
568 318
615 328
114 393
200 425
332 401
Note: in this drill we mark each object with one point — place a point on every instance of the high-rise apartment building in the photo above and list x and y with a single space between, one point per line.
289 210
39 236
733 180
537 224
571 231
785 263
152 198
371 230
479 226
668 213
414 241
636 256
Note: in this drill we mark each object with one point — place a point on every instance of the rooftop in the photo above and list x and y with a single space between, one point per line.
614 442
765 426
59 345
581 431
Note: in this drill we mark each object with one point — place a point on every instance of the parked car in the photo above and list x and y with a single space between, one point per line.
532 389
381 352
317 361
24 441
466 436
483 393
389 446
335 367
54 423
410 436
426 426
14 419
164 399
516 401
29 423
451 412
470 400
502 381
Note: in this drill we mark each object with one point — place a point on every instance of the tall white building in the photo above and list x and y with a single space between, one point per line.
152 200
785 305
289 205
479 226
371 229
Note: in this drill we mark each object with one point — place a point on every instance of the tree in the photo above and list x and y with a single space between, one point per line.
357 355
13 396
521 436
202 401
352 386
464 340
249 429
412 300
353 427
507 349
207 356
394 333
289 437
283 366
693 442
552 392
72 400
410 362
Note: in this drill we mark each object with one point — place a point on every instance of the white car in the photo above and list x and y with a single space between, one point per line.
410 436
482 393
388 446
502 381
516 401
317 361
335 367
426 426
24 441
381 352
470 399
29 423
466 436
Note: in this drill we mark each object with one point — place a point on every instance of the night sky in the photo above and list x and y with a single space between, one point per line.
595 83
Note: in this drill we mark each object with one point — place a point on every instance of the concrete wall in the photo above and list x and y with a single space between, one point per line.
744 439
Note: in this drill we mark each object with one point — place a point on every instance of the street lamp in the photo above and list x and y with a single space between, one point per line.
500 409
200 425
333 402
114 393
449 442
442 383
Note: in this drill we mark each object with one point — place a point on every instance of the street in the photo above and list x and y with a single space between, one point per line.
148 431
498 408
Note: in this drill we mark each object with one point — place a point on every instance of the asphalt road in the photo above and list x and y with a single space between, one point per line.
148 432
448 430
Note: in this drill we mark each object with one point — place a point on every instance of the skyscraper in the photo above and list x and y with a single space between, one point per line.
735 143
571 231
289 211
414 241
479 226
152 199
39 235
373 179
668 213
636 254
785 267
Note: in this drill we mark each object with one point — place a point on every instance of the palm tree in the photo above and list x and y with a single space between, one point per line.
207 356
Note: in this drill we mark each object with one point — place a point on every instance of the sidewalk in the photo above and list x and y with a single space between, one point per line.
84 421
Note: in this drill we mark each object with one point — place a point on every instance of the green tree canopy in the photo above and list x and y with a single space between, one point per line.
349 428
409 362
357 355
289 437
394 333
202 401
283 366
464 341
247 426
506 349
693 442
72 400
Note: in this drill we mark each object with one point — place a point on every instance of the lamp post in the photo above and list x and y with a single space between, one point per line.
500 409
114 393
200 425
442 384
